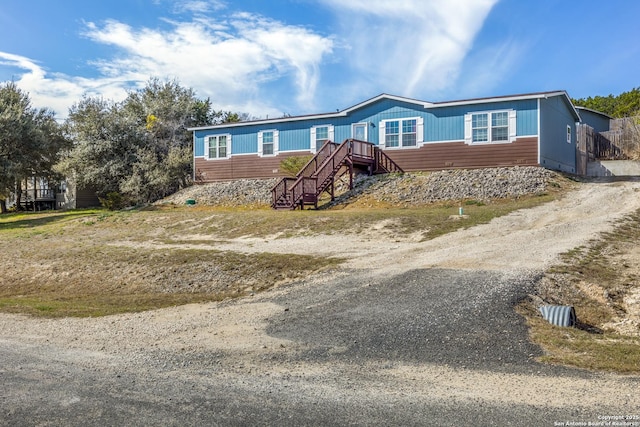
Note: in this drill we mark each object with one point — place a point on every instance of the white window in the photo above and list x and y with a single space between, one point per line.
401 133
569 134
268 142
490 127
217 146
320 135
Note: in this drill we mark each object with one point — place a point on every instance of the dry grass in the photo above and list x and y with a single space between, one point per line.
585 349
597 281
82 264
95 262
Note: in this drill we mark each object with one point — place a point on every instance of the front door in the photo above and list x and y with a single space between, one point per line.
359 131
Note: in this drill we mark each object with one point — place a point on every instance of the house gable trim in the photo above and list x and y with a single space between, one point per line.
423 104
342 113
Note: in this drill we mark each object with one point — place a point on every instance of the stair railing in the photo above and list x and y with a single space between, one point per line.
384 162
287 184
330 166
281 189
319 172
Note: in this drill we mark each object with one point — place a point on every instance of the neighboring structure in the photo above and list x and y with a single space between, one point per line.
600 122
36 194
531 129
70 196
39 194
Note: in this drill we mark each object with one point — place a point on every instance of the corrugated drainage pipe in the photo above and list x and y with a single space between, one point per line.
559 315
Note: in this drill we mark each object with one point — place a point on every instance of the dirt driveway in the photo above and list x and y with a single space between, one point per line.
408 333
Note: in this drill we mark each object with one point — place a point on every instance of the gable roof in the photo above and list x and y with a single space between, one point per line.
600 113
383 96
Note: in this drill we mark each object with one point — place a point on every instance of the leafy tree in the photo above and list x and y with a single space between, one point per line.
30 142
105 144
626 104
140 147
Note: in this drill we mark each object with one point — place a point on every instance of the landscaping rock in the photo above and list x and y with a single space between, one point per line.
241 192
451 185
403 189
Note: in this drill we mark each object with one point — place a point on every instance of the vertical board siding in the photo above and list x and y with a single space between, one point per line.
243 142
444 124
441 124
449 155
294 138
555 152
598 122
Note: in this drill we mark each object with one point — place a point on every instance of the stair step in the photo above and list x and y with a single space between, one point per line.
382 162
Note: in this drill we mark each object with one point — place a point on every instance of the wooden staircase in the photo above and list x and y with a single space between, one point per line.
330 162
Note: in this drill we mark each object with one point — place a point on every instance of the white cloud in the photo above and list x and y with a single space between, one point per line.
224 60
407 47
410 47
229 60
58 91
288 48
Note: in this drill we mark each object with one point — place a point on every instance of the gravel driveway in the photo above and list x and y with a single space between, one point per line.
422 334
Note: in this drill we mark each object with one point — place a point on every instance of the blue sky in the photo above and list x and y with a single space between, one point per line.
275 57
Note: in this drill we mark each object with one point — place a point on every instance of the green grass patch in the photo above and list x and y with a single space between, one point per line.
20 221
79 305
586 350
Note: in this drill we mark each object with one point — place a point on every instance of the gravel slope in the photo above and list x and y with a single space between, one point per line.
408 188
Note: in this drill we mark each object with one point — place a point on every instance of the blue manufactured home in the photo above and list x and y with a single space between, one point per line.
531 129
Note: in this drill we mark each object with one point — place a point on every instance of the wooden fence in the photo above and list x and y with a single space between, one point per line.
625 134
622 142
600 146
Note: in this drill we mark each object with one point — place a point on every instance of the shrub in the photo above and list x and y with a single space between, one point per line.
113 201
292 165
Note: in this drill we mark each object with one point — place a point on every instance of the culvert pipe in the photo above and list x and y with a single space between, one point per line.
559 315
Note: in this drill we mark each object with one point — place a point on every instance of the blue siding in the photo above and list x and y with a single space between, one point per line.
440 124
448 123
599 122
198 144
244 140
555 151
444 124
294 137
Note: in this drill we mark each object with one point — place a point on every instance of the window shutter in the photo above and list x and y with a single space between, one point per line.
260 143
513 124
331 135
312 143
467 129
381 134
229 145
420 131
206 147
276 141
